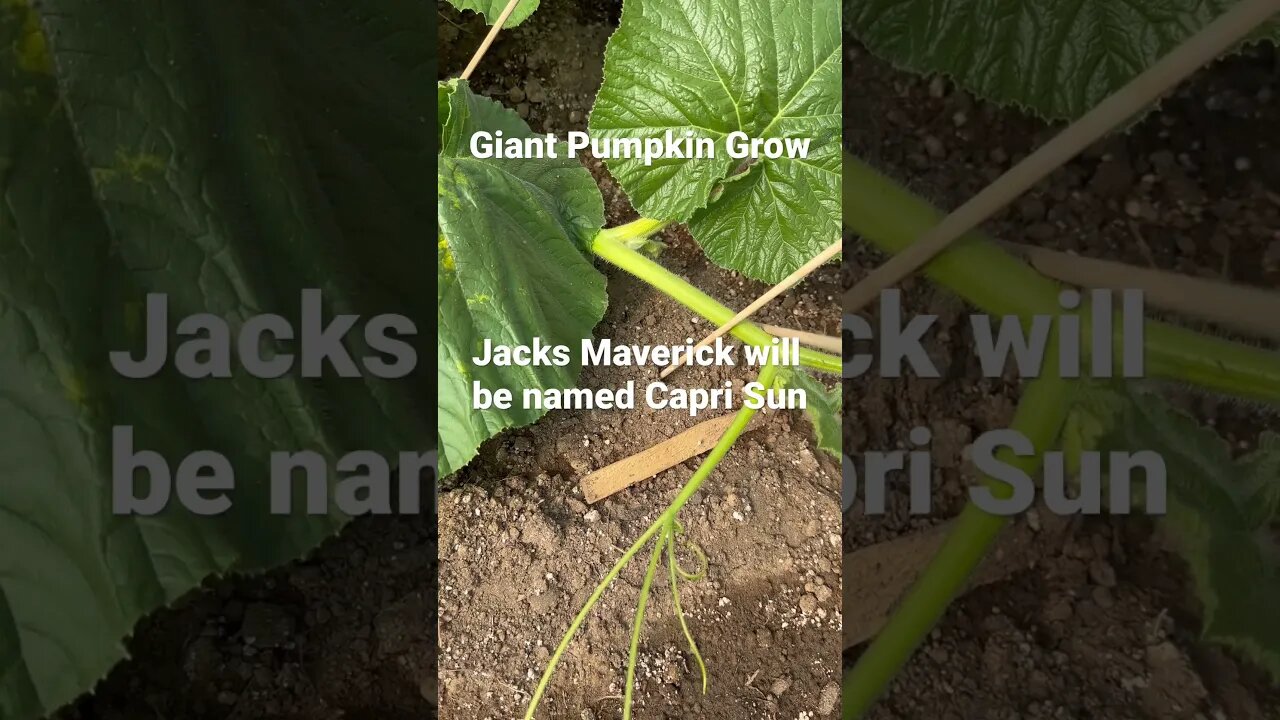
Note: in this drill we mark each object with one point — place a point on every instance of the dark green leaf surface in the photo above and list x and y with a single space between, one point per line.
1227 544
228 155
822 405
1262 466
511 267
769 68
1056 59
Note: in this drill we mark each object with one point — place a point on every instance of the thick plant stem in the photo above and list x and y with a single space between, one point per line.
995 281
634 230
608 246
768 374
1041 413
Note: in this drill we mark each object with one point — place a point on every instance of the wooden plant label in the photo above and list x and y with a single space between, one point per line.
645 464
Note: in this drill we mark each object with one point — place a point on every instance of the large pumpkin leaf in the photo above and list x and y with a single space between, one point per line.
227 155
491 9
510 268
822 406
1056 59
1212 504
768 68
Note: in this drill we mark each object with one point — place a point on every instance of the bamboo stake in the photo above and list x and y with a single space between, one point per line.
645 464
813 340
1216 38
1253 311
488 39
761 301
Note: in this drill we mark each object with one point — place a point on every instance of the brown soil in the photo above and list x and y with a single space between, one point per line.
349 634
1105 624
521 552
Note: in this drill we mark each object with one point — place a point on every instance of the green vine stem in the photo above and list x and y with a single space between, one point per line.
678 573
1041 412
610 245
664 524
996 282
633 651
630 234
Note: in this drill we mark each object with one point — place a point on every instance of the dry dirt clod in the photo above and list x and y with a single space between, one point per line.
828 699
535 92
1163 655
780 686
1102 574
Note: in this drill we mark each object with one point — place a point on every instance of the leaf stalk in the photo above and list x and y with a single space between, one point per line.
997 282
608 246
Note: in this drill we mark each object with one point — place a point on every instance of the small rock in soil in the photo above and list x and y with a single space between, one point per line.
535 92
1101 573
1059 611
827 701
780 686
764 637
822 592
933 146
1163 655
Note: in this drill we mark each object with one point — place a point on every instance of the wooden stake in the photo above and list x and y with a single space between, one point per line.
878 576
488 39
645 464
1252 311
761 301
1214 39
813 340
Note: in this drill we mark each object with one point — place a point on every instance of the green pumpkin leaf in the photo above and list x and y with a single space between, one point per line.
1096 406
511 267
769 68
1262 466
227 155
491 9
1055 59
1233 559
822 406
